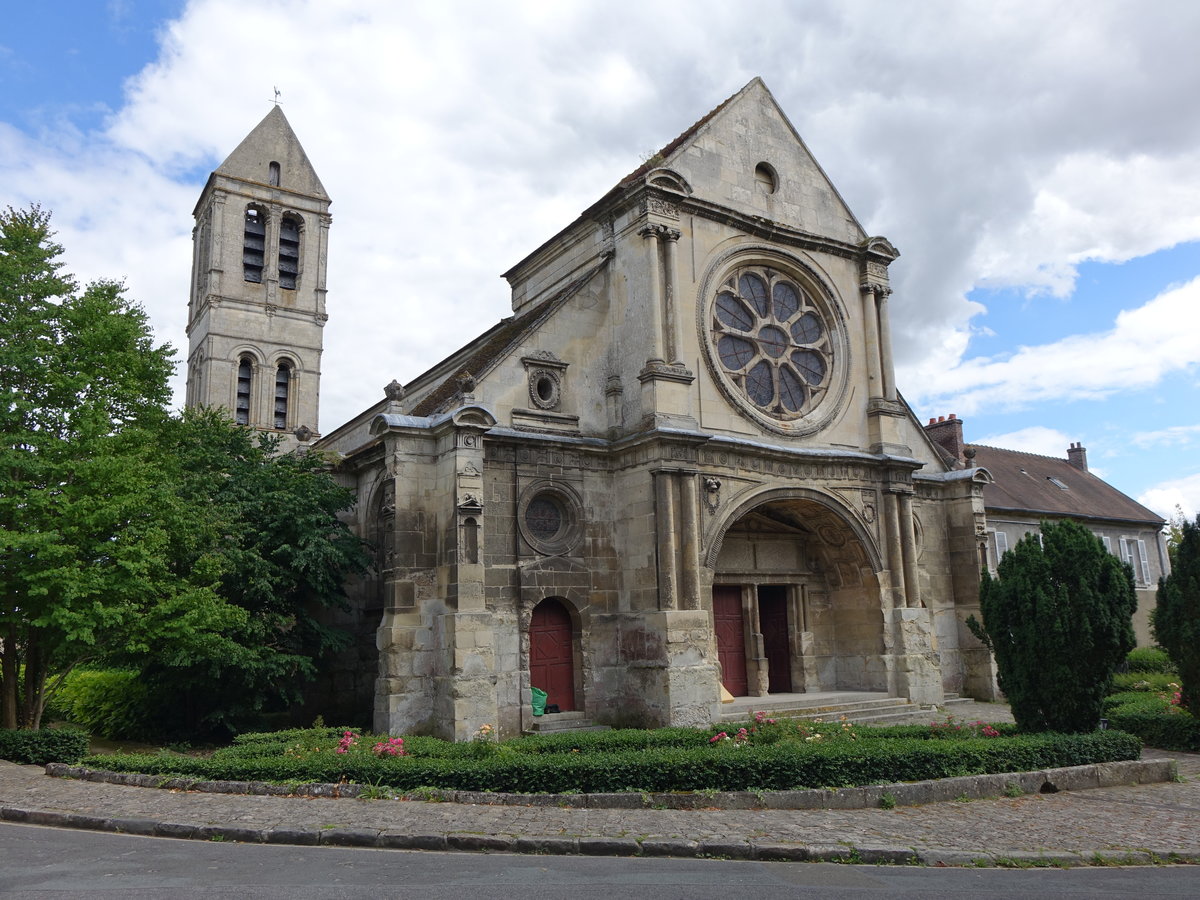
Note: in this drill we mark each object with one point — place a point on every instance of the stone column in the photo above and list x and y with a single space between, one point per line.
885 343
908 540
664 497
871 328
895 554
670 238
650 233
689 563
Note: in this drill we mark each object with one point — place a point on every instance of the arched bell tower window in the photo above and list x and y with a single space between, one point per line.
273 174
254 244
245 377
289 252
283 380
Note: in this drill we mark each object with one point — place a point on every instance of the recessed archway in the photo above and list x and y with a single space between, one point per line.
552 653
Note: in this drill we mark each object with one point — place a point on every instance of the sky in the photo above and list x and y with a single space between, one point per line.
1036 164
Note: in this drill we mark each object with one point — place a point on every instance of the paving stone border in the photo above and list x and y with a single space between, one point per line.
765 851
971 787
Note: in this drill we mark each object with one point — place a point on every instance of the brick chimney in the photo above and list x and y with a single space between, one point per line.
1077 456
947 433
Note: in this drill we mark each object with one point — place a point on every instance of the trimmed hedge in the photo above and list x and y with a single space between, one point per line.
36 748
1154 720
1150 659
780 766
1142 681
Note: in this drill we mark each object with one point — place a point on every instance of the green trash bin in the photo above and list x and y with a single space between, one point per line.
539 701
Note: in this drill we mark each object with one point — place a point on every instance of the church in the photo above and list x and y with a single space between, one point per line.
681 468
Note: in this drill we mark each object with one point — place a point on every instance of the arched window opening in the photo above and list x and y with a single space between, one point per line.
289 252
273 174
283 378
254 244
244 379
471 541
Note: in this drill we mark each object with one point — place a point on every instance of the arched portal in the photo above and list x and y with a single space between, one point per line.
796 601
552 653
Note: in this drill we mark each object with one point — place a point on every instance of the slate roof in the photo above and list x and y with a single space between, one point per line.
1022 484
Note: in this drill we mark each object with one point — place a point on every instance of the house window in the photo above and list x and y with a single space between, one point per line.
244 380
254 244
273 174
283 378
1133 551
289 252
1107 542
997 546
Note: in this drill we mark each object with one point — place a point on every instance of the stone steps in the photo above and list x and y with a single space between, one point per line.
552 723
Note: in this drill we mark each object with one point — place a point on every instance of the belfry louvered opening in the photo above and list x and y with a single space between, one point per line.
289 252
254 244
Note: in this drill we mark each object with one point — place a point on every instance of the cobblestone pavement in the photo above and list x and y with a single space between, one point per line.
1069 827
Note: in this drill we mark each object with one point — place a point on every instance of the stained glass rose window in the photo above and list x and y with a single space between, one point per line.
772 341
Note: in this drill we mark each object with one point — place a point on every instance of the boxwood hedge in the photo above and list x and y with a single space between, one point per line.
778 766
43 746
1154 720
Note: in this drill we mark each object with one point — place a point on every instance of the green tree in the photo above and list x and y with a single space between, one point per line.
85 518
1176 620
284 559
1058 620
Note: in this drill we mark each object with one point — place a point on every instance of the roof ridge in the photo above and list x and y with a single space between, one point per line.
1061 459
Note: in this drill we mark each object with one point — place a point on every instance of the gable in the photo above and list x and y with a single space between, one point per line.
747 156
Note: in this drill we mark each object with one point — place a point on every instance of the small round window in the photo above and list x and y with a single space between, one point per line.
549 517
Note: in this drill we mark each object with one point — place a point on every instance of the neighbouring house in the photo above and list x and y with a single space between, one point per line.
1028 488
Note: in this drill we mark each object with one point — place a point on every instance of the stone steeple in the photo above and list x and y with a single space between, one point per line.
257 303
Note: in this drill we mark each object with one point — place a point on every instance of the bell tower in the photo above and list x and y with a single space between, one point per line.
256 310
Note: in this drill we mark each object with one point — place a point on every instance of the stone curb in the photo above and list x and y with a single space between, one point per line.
971 787
762 851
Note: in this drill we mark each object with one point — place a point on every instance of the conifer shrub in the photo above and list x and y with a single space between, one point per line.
1058 619
1176 620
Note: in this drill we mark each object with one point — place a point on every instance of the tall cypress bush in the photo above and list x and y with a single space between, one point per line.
1058 620
1177 614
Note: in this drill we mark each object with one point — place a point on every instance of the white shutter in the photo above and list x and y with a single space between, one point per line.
1001 544
1107 542
1126 552
1145 560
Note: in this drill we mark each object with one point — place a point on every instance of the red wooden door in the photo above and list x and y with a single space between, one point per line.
551 658
731 638
773 623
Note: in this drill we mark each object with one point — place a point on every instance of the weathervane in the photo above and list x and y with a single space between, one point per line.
276 96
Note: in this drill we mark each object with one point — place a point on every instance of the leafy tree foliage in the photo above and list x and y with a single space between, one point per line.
177 545
283 559
1058 620
1177 614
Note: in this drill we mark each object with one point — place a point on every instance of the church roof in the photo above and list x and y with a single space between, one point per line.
495 344
273 140
1047 485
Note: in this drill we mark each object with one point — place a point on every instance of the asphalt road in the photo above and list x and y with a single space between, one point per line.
48 863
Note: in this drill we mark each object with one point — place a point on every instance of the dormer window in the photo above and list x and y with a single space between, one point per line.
245 378
254 244
289 252
273 174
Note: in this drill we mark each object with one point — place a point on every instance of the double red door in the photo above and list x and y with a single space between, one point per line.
551 655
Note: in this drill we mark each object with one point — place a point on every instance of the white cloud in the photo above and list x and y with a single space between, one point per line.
1144 345
1181 492
997 143
1174 436
1035 439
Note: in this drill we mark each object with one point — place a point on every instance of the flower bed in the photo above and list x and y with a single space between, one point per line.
768 756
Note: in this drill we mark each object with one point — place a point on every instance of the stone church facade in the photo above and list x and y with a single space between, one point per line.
681 465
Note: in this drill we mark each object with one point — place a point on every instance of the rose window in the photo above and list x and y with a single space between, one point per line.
772 342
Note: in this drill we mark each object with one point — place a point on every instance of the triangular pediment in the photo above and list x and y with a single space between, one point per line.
273 141
746 155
